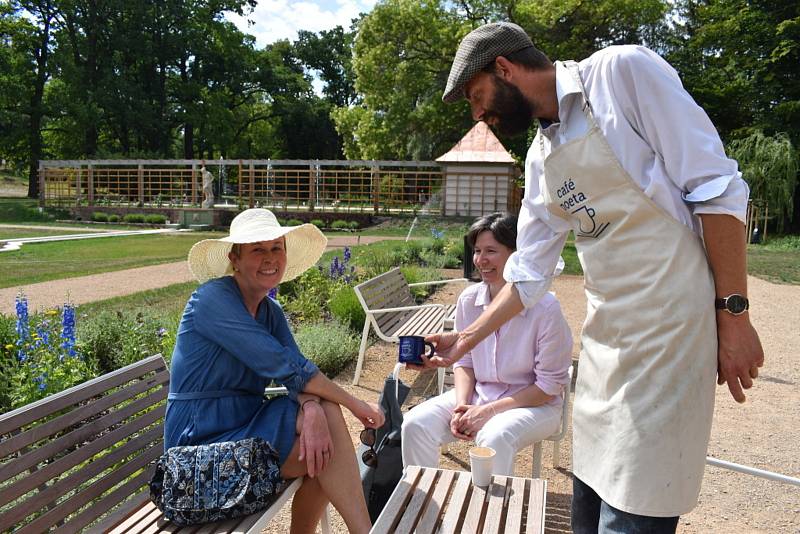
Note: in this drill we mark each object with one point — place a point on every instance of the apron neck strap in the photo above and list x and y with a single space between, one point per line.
574 71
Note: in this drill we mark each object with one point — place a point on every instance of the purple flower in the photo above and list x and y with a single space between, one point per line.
437 234
161 332
346 254
273 293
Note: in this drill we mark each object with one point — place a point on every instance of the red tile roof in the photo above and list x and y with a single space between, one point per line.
478 145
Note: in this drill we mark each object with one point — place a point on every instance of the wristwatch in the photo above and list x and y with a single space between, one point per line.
734 304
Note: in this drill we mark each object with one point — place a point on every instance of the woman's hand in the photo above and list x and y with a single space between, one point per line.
316 445
472 418
455 425
370 415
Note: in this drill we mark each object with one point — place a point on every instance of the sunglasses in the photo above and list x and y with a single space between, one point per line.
369 457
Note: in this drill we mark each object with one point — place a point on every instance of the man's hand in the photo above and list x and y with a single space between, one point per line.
739 354
316 445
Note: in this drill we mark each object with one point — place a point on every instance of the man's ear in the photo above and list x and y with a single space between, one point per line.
503 68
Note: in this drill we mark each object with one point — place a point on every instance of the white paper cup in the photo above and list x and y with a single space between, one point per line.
480 461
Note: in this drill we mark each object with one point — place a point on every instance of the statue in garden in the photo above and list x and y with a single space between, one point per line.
208 187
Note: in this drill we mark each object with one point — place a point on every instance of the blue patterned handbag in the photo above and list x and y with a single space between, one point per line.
218 481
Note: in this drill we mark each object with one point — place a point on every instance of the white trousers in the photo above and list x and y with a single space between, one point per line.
426 427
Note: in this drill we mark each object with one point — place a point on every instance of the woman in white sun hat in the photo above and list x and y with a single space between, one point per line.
233 341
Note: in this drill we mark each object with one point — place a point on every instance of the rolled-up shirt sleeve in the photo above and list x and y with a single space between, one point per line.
687 142
540 239
268 350
554 354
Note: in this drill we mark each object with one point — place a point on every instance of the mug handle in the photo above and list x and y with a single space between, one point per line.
433 349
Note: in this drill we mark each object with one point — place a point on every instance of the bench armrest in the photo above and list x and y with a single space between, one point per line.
438 282
405 308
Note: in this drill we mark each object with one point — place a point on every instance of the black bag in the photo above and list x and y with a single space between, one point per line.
207 483
379 481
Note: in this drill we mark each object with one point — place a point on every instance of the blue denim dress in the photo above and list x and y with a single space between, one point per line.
223 360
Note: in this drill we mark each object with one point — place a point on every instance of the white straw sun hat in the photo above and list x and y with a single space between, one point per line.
304 245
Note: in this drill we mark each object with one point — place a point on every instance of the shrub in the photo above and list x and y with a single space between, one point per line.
330 345
7 361
319 223
116 339
353 225
414 274
340 225
99 216
306 306
294 222
113 218
346 308
155 218
134 218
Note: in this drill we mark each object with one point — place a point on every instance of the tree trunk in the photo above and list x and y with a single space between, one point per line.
35 127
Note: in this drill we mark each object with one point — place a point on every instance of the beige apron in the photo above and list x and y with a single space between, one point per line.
647 373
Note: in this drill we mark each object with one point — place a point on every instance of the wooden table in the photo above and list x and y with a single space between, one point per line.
431 500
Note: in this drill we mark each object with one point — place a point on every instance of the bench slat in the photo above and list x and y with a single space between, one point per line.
394 508
535 523
121 514
516 501
434 509
472 519
78 414
148 524
418 499
92 492
86 452
494 511
134 519
457 501
15 419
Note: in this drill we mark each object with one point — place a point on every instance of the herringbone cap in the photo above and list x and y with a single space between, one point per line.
480 47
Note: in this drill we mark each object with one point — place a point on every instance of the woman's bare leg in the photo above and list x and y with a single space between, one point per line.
340 481
307 506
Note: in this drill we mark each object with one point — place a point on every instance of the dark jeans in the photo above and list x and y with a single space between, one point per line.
590 515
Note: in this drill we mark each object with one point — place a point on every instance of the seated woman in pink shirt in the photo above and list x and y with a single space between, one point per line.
507 389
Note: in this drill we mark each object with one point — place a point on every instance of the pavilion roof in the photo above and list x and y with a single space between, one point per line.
479 145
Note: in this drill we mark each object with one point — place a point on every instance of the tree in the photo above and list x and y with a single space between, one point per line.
769 164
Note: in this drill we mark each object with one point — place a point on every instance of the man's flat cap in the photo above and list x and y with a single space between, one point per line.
480 47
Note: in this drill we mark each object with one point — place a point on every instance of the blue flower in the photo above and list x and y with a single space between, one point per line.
273 293
437 234
22 326
68 329
346 254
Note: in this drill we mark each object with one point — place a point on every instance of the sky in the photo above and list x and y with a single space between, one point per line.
281 19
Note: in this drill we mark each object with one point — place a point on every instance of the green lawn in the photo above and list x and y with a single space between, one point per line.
40 262
170 299
777 261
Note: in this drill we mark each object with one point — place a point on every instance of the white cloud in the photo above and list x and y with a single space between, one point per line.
273 20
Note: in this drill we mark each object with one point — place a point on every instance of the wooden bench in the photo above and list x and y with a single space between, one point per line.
80 460
392 312
431 500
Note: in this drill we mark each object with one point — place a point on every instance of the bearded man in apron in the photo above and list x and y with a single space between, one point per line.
627 161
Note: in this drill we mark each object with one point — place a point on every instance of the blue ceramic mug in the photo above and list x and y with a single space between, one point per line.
411 347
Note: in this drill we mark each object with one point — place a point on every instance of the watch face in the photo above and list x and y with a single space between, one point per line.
736 304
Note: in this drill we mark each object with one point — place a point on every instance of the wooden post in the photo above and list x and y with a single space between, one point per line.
141 184
239 189
78 187
376 187
252 185
42 183
312 184
194 184
90 180
766 215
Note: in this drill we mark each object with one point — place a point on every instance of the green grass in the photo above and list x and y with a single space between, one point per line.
778 260
26 210
19 233
169 299
399 226
40 262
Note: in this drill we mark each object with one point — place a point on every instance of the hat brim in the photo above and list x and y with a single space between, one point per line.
305 244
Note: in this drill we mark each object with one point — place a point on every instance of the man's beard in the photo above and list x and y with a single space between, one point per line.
510 108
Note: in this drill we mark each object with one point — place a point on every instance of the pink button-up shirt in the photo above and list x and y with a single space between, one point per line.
534 347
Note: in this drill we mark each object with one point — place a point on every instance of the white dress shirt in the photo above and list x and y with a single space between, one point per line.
661 137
